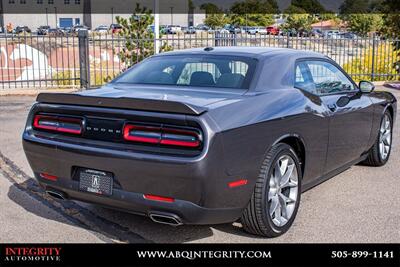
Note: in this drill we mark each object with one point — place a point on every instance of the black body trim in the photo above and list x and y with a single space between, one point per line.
122 102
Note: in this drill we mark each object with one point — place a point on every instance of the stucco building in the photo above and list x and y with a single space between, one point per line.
92 13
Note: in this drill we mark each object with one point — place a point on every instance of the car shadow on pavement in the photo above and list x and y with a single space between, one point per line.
107 224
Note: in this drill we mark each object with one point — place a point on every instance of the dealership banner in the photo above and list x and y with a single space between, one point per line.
200 254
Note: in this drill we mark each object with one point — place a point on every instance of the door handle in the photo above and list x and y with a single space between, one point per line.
332 107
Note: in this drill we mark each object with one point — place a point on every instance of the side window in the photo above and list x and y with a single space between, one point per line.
327 78
303 79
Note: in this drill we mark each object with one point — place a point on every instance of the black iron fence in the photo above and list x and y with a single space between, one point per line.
89 60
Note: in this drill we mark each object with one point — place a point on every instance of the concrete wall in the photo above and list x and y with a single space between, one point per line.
165 19
34 15
33 21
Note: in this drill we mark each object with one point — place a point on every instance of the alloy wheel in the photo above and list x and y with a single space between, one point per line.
385 137
283 190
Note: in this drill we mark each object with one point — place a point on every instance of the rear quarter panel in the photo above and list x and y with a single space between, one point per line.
251 126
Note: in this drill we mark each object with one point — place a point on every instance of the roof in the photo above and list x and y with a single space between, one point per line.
328 23
245 51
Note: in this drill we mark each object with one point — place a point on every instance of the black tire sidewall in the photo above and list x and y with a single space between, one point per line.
282 149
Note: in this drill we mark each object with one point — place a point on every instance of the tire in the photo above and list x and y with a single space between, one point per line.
256 218
375 157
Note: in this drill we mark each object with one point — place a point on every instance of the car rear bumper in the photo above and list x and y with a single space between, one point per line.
184 211
199 186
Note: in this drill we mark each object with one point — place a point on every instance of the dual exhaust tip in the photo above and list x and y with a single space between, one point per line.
165 218
56 194
158 217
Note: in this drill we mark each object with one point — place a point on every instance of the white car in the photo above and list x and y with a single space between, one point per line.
102 29
173 29
252 30
262 30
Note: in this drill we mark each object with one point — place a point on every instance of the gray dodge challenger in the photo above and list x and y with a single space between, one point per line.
209 136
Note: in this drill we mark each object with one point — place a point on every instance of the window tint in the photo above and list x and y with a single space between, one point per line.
195 70
321 77
209 71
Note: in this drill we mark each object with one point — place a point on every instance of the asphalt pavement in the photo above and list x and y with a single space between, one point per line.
361 204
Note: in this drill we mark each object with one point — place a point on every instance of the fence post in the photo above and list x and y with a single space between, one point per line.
373 58
288 40
83 38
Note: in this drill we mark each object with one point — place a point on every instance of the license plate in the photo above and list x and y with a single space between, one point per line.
97 182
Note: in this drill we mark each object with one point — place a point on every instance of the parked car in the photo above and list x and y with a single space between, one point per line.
43 30
189 30
332 34
115 28
102 29
290 32
252 30
262 31
22 29
272 30
223 31
55 32
205 143
202 27
78 28
316 33
173 29
234 30
348 35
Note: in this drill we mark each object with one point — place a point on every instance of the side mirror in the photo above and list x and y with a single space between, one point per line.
366 87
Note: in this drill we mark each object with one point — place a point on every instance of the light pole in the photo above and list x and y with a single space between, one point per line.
47 17
156 26
112 15
55 12
172 17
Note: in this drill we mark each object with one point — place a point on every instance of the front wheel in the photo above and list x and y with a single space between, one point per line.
276 197
380 152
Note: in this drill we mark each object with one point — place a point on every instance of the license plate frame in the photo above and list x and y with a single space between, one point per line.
96 182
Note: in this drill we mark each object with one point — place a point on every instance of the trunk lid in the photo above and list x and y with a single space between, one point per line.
155 98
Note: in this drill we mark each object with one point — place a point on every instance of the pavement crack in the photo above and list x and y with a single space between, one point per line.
68 209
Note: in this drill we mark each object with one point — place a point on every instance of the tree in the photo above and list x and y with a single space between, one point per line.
139 40
392 26
362 24
216 20
253 13
210 9
391 19
298 19
354 7
309 6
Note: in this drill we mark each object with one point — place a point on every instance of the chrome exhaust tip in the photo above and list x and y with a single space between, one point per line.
56 194
164 218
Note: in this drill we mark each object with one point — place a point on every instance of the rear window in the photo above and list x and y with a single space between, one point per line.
193 70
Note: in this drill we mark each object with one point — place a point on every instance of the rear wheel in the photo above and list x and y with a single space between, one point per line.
380 152
276 197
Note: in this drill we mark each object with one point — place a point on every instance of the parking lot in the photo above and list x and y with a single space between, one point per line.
360 205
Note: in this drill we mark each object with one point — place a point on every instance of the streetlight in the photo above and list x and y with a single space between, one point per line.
112 15
172 17
55 12
47 17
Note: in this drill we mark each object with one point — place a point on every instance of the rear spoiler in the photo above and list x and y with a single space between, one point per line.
121 103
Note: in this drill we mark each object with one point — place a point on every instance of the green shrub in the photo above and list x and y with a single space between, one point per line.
384 68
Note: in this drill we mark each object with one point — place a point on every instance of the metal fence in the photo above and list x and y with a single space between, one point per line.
91 60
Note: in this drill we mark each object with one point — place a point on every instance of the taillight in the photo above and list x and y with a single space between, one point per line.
159 198
163 135
58 124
